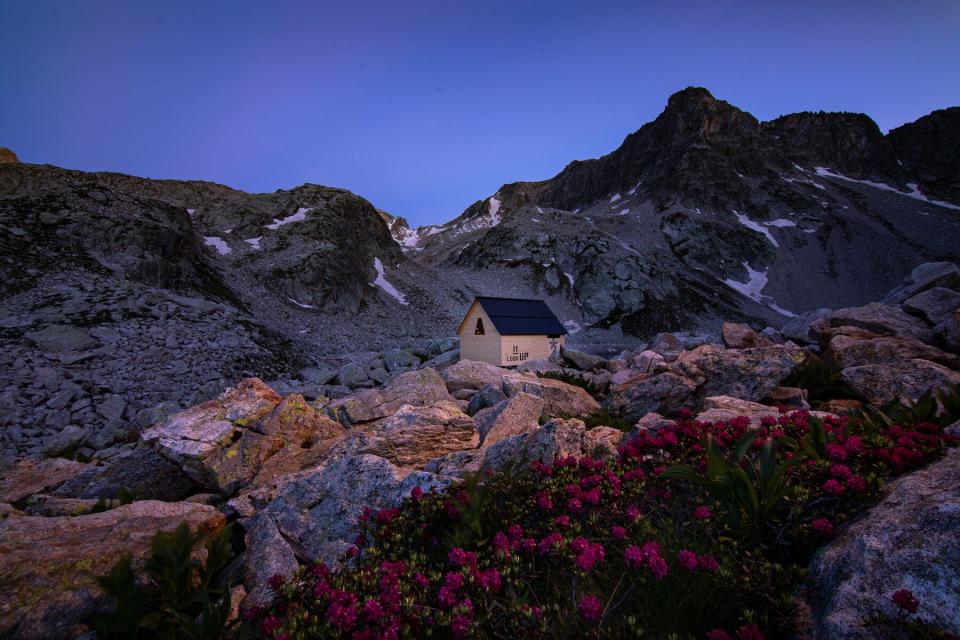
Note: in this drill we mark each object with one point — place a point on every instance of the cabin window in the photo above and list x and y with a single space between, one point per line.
479 330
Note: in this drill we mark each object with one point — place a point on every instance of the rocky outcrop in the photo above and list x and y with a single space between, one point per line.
413 435
473 376
850 351
517 414
749 374
7 156
316 511
559 438
737 335
724 408
644 393
908 380
559 398
224 443
48 566
142 474
908 541
416 388
28 477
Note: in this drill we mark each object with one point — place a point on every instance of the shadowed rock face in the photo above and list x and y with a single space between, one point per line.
47 594
908 541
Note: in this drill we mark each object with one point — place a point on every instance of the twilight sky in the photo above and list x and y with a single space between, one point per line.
425 107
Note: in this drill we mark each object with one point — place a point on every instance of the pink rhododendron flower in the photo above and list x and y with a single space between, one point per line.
590 608
709 563
905 599
749 632
822 527
718 634
618 532
687 559
833 487
701 513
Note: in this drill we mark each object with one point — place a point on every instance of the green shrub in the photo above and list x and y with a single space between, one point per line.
178 597
604 419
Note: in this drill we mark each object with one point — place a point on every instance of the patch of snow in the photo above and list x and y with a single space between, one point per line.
381 282
753 287
755 226
432 230
781 222
254 242
227 230
577 210
539 210
572 326
809 230
914 192
408 238
534 220
191 212
634 189
494 211
217 243
622 212
781 310
615 197
569 277
299 216
301 305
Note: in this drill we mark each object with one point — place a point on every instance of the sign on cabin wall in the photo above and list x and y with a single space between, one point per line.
516 356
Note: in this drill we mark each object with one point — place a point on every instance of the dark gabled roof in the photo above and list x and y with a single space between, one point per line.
521 317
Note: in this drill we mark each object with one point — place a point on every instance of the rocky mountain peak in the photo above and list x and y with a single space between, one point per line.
7 156
931 145
697 111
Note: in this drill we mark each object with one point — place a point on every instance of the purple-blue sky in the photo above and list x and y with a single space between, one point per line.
424 107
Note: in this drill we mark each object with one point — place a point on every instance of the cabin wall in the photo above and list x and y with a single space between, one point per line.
516 350
485 348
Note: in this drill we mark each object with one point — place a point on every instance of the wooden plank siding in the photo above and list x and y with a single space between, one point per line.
485 348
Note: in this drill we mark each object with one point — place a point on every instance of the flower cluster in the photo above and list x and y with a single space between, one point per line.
604 548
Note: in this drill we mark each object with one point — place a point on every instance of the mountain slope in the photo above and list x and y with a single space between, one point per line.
707 212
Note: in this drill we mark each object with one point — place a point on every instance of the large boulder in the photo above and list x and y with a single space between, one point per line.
473 375
224 443
141 473
644 393
559 398
737 335
48 566
882 319
936 304
517 414
267 555
413 435
924 277
416 388
749 374
724 408
581 360
849 351
909 379
28 477
907 541
558 438
56 338
316 511
798 328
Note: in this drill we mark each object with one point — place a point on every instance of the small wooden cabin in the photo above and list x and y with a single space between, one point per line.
509 331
